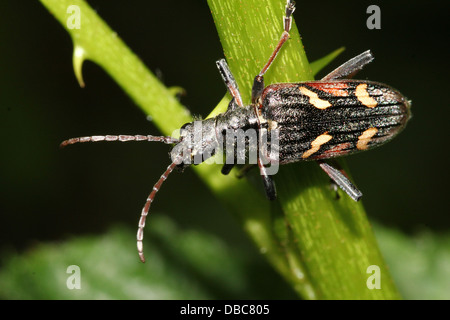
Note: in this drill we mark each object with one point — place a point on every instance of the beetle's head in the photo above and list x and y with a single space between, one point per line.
197 143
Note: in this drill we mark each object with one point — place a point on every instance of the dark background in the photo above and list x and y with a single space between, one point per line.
50 194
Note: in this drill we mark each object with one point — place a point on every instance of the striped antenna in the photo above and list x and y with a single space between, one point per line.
126 138
146 209
121 138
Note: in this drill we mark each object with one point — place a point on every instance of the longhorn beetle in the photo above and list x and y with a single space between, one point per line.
314 120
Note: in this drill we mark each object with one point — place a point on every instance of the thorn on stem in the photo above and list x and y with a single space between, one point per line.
79 55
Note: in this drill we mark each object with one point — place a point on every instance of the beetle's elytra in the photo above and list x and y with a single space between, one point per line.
314 120
342 117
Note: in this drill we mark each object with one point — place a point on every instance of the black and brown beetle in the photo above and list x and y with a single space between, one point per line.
314 120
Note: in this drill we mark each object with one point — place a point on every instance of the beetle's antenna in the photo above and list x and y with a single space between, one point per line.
121 138
145 210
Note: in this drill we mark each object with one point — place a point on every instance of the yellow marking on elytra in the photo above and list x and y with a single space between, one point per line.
365 137
272 124
364 97
316 144
314 99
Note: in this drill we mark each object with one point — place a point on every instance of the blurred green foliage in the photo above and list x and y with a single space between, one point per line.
419 264
192 264
181 265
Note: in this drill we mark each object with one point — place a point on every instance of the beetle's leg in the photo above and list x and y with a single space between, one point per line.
229 80
258 83
269 185
351 67
333 185
243 171
341 180
227 168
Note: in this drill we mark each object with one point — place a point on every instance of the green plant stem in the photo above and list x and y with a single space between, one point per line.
328 244
321 246
98 43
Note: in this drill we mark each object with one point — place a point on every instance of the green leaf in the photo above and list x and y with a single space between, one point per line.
420 264
321 63
182 265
